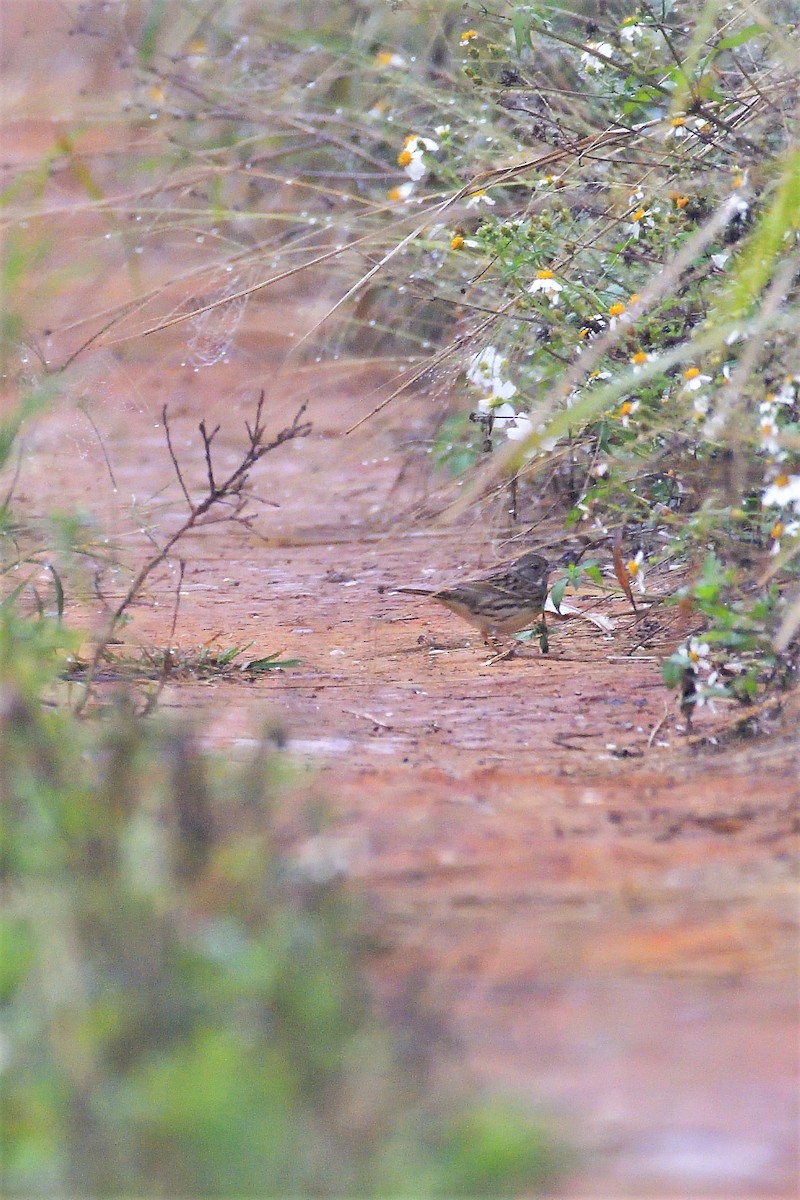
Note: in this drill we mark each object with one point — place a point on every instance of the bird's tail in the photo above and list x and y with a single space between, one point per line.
414 591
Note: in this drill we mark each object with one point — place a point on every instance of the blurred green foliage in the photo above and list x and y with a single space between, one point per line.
183 1004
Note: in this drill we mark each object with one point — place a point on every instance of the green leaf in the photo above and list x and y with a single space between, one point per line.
557 593
272 663
148 41
672 672
58 588
738 39
769 241
521 26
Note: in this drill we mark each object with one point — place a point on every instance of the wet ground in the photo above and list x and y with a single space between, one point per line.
601 907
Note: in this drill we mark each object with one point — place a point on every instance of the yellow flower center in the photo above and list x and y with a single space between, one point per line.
633 568
404 158
616 310
544 274
468 35
677 122
635 298
626 408
781 480
637 216
777 530
639 358
456 242
691 373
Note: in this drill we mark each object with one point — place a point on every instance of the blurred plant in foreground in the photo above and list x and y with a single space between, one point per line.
182 999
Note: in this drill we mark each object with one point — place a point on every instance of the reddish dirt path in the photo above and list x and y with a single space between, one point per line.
606 927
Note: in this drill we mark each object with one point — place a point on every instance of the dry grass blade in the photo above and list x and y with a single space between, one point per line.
621 567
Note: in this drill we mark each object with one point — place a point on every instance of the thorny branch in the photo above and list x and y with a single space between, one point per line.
232 490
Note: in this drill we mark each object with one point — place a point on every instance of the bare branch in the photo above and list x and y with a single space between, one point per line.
229 492
207 440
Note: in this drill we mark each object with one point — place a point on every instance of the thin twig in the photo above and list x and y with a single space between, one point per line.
207 440
83 409
168 661
173 459
230 489
656 728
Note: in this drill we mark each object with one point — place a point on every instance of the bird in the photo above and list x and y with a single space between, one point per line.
504 602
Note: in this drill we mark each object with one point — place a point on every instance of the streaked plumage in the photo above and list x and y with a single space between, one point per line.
504 602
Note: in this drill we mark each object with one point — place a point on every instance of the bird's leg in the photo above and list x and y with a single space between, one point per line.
501 655
544 641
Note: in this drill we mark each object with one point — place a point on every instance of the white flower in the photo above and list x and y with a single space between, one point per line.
412 157
386 59
486 370
633 32
485 366
768 428
504 389
626 411
707 691
523 427
786 393
478 198
636 571
783 492
416 168
593 65
781 529
683 127
403 191
544 282
700 406
640 219
416 142
693 380
695 654
520 429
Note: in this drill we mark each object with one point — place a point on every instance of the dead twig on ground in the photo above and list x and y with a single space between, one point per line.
231 491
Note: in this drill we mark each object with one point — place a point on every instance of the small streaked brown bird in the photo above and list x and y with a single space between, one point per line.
504 602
